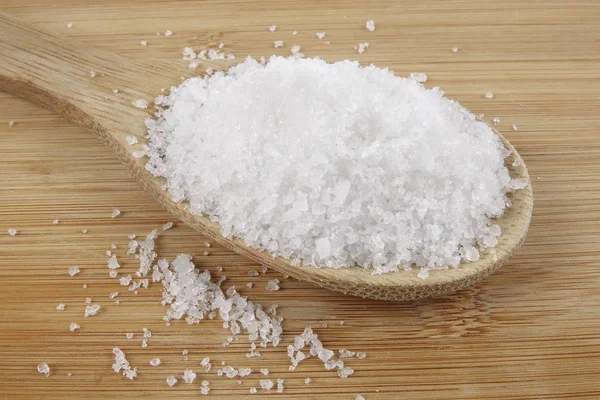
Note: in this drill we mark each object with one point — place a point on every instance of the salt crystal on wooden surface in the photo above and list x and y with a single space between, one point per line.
275 206
43 368
74 270
370 25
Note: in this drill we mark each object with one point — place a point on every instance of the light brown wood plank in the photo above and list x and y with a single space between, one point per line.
530 331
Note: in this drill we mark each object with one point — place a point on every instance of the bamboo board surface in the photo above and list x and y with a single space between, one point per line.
532 330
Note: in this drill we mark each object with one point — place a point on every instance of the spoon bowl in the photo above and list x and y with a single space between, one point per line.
95 89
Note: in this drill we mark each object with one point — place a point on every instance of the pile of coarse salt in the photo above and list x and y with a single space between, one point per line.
333 165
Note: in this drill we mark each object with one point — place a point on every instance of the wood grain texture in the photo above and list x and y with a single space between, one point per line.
529 331
66 76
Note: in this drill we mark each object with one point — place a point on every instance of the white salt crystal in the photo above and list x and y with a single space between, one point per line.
278 43
84 286
279 385
74 270
295 50
221 45
345 353
307 381
74 326
274 205
129 335
273 28
115 213
266 384
361 47
131 140
264 371
419 76
253 390
204 389
489 95
91 310
321 35
55 222
327 42
140 103
11 123
88 300
455 49
359 397
155 362
115 91
113 263
515 128
189 376
361 355
92 74
168 33
171 380
167 226
496 120
112 295
60 307
294 33
253 273
43 368
69 25
370 25
273 285
121 364
112 273
146 333
516 163
143 43
13 232
250 285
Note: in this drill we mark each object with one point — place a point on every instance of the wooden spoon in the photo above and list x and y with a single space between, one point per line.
57 73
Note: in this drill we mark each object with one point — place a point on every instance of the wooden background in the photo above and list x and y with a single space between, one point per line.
531 331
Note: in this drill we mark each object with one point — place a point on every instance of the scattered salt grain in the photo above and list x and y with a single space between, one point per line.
489 95
168 33
115 213
419 76
253 272
60 307
455 49
184 352
370 25
143 43
321 35
189 376
206 364
278 43
147 334
140 103
250 285
361 47
13 232
389 181
115 91
171 380
294 33
361 355
253 390
121 364
113 263
55 222
273 28
74 270
167 226
84 286
516 163
131 140
496 120
324 325
204 389
266 384
11 123
307 381
91 310
342 323
88 300
92 74
74 326
359 397
69 25
345 353
273 285
279 385
295 50
43 368
113 273
129 335
113 295
264 371
515 128
155 362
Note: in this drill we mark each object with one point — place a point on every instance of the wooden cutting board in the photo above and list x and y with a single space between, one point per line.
532 330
